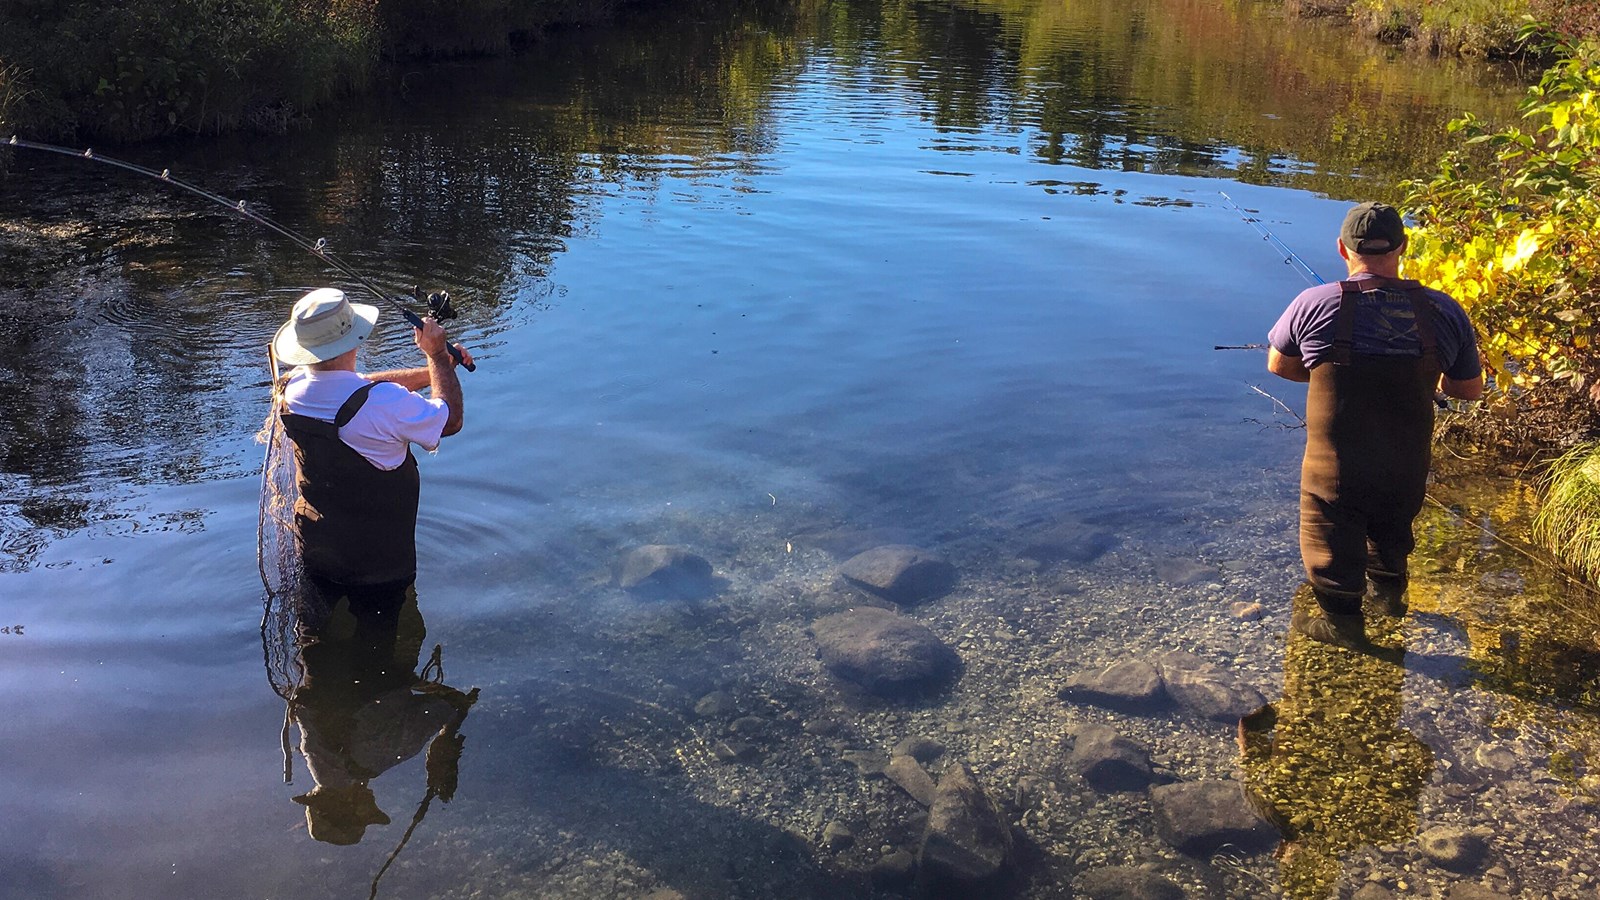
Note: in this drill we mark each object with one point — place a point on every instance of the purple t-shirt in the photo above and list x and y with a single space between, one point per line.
1384 326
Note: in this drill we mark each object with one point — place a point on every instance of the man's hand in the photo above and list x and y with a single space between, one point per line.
431 341
430 338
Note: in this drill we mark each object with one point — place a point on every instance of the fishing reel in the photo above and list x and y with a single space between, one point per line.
438 303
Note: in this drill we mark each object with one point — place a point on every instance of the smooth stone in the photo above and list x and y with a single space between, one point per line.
1206 689
1245 611
967 842
1186 572
1201 817
912 778
1498 757
748 725
734 751
894 869
838 836
1372 892
663 571
1109 761
1467 890
1129 685
847 542
715 705
899 573
867 762
922 749
1072 542
1456 849
1125 883
883 651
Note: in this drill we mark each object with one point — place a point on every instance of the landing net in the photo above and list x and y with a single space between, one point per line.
276 554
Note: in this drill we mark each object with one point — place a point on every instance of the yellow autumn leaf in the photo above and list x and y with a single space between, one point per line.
1527 246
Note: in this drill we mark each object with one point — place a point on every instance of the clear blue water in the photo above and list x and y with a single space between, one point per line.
730 282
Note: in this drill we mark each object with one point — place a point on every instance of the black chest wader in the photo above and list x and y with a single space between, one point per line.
1369 441
356 523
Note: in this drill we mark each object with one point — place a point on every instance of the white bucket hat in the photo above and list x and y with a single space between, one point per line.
323 325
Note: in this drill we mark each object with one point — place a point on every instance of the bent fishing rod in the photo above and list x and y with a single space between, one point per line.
438 302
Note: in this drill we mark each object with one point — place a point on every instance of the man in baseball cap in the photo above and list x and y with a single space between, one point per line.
1374 348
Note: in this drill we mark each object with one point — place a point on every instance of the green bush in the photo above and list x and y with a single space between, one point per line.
1511 227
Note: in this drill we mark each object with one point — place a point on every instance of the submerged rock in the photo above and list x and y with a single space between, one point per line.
966 841
1130 686
662 571
1456 849
912 778
1206 689
1186 572
1125 883
922 749
1200 817
899 573
883 651
847 542
1072 542
1109 761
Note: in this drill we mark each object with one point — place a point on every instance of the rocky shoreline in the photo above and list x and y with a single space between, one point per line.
1046 716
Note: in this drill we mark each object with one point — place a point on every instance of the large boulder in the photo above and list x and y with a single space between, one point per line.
966 842
1201 817
667 572
883 651
899 573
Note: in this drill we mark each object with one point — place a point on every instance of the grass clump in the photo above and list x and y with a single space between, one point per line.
1568 522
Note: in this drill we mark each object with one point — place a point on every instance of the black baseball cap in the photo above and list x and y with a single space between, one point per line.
1372 229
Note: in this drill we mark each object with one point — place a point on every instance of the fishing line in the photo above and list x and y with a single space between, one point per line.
438 303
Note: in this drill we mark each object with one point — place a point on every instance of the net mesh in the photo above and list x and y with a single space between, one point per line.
276 553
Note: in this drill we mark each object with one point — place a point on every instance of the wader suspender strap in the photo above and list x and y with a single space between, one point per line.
1345 320
353 405
1344 323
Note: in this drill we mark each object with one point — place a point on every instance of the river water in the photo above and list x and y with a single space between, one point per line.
771 285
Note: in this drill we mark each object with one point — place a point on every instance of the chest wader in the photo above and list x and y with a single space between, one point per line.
356 523
1369 441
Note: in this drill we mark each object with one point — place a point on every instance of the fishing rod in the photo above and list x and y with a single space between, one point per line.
438 302
1290 257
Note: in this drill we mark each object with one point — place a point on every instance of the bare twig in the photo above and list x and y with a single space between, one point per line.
1280 405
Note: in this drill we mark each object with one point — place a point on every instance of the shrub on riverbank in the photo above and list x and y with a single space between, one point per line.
146 68
1511 227
1467 27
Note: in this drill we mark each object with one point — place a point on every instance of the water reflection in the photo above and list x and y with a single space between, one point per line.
1329 763
363 707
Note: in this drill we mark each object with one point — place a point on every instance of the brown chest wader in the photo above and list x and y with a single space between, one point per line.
1369 441
356 523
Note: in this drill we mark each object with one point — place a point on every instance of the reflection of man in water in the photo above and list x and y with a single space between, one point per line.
1374 349
363 709
1330 764
356 516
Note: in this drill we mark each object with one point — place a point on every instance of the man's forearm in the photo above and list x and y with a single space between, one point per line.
446 386
410 379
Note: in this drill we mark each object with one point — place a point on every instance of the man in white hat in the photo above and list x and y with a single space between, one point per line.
357 510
